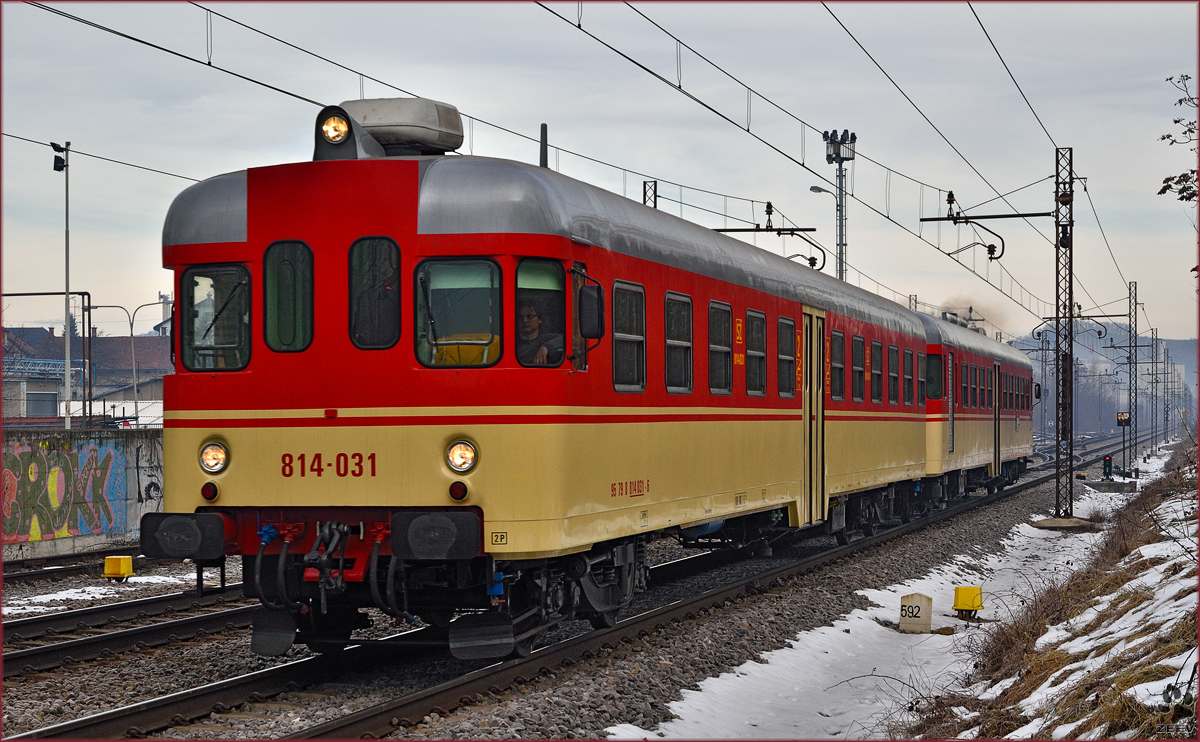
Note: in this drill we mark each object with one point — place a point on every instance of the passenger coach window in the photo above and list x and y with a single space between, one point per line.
990 395
857 381
893 374
787 358
966 385
288 296
679 344
374 293
933 376
921 379
908 376
216 312
837 365
876 371
629 337
756 354
720 348
975 386
458 313
541 313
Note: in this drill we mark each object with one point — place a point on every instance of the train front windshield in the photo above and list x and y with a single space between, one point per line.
216 317
458 313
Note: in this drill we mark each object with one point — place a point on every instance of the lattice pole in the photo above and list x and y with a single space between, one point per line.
1131 451
1154 389
1064 334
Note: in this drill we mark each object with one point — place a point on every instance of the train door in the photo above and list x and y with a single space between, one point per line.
814 413
994 397
949 395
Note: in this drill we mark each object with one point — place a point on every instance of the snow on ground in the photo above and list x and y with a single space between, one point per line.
129 590
840 681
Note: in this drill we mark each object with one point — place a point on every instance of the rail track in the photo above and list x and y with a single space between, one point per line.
179 709
45 642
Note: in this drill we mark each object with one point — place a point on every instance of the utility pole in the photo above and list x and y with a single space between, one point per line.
840 151
60 165
1133 366
1154 390
1064 333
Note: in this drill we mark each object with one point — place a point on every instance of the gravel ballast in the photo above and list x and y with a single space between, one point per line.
632 684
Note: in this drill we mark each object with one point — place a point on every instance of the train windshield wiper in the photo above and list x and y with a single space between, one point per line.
221 311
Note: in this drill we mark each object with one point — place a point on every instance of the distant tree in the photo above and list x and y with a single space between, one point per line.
1184 184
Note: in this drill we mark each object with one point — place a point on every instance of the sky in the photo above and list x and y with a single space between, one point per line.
1093 72
844 681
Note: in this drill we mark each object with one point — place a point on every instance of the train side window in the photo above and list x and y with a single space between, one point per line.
991 398
837 366
787 357
876 371
679 343
288 296
458 319
756 354
374 293
857 359
908 376
541 319
629 337
974 385
893 374
966 386
720 348
921 379
215 308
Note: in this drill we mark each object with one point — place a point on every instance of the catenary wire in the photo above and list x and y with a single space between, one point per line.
106 159
776 149
172 52
1010 74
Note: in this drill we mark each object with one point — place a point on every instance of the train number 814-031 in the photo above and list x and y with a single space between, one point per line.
342 465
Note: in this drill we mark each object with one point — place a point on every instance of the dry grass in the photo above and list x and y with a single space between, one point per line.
1007 649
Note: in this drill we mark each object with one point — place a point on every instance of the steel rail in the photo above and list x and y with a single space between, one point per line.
99 615
384 718
35 564
179 708
50 656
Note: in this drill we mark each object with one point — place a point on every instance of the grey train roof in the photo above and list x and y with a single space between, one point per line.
481 195
940 331
466 195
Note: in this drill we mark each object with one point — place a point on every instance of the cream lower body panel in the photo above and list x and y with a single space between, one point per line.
543 488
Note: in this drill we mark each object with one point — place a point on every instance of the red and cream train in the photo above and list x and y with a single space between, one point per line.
472 390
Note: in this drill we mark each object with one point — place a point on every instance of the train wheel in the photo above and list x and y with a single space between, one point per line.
523 648
869 528
843 538
604 620
906 509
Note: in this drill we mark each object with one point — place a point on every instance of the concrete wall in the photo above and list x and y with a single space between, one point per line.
76 490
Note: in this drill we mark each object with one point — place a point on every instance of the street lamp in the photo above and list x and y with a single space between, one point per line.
839 150
60 165
132 351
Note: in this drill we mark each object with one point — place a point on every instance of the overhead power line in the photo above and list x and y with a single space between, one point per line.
172 52
1042 305
106 159
1010 75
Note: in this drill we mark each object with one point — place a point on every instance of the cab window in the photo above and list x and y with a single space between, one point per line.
541 313
458 313
216 318
288 296
374 293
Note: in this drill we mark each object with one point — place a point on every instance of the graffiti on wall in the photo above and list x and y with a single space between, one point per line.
54 491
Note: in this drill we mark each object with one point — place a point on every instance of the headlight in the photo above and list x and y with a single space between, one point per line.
461 456
335 129
213 458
